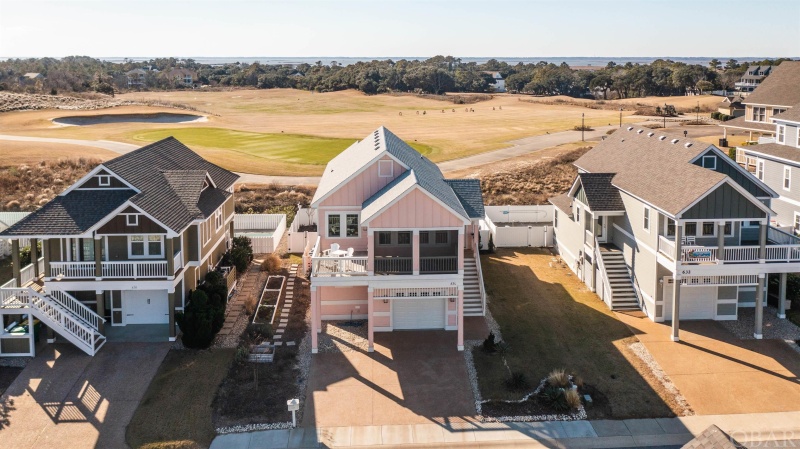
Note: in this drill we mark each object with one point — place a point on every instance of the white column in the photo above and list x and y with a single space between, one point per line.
460 317
758 331
314 313
415 257
676 286
370 252
782 297
460 250
370 319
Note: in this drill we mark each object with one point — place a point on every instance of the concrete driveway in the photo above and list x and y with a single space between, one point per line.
65 398
720 374
413 377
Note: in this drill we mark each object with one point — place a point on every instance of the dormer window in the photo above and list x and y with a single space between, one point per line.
710 162
104 180
385 169
781 133
132 220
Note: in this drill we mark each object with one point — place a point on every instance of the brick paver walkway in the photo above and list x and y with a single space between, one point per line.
249 286
283 316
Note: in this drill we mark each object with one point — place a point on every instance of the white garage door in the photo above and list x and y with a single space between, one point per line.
145 306
418 313
697 303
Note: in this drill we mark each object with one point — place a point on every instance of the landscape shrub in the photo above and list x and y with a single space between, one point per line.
241 355
732 153
715 115
489 344
241 253
196 321
255 333
518 381
572 398
554 397
583 128
216 290
558 378
271 264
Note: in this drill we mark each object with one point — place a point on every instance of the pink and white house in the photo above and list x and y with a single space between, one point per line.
398 243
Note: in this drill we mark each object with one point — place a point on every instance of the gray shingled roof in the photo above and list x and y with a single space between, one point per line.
71 214
563 203
742 123
780 88
790 115
169 177
469 193
657 171
600 193
775 149
373 147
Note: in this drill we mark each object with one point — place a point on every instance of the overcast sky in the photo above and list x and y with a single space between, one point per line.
129 28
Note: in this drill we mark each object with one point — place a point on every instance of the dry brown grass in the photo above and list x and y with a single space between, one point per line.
272 199
271 264
27 187
531 183
30 153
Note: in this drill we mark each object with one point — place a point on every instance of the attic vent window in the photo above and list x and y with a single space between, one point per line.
385 169
687 144
104 180
640 131
674 141
132 220
630 128
662 137
650 134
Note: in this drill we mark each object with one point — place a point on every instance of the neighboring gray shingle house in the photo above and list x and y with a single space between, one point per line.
125 244
673 227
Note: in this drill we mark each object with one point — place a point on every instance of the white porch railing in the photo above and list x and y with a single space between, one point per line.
338 266
666 247
27 273
480 281
393 265
177 260
588 238
126 269
70 303
438 264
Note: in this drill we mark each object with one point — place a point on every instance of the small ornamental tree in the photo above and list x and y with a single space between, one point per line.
196 321
241 253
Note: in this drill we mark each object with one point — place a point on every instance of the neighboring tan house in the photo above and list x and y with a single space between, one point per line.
499 83
136 78
7 219
181 76
752 77
648 212
775 94
397 243
777 163
123 246
732 106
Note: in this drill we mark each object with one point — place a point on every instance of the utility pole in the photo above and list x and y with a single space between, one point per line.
620 117
583 127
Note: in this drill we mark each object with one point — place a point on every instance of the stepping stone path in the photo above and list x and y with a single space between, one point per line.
248 287
287 307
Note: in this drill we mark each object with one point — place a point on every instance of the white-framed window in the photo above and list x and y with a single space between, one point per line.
350 229
424 237
646 219
218 218
385 169
710 162
796 226
787 177
776 111
760 170
759 114
384 238
132 220
206 231
690 229
442 237
798 136
669 227
578 214
728 229
781 133
404 238
708 229
144 246
104 180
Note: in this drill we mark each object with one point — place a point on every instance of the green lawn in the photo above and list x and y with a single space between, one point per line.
551 320
176 412
252 152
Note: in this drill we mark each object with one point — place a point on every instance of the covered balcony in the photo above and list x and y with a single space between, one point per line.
779 247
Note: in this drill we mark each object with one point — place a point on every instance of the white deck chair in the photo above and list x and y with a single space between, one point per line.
350 252
334 247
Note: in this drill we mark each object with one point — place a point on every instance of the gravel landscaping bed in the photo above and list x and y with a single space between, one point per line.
343 336
774 327
642 352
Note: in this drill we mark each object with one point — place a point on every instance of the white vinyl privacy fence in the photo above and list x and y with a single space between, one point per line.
264 230
518 226
298 240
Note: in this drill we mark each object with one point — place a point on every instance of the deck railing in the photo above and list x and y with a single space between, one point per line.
338 266
393 265
177 260
126 269
438 264
666 247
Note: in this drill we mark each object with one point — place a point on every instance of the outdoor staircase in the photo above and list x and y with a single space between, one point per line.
59 311
623 295
473 301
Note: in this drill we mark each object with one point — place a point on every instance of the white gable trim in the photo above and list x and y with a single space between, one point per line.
730 162
363 168
404 194
117 211
93 173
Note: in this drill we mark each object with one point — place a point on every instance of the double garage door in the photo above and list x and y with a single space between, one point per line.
419 313
697 303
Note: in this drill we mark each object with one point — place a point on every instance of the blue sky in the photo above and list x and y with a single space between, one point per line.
400 28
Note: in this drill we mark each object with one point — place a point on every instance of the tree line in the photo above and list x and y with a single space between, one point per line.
435 75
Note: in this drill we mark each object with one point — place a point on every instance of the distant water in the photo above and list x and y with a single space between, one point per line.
597 61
